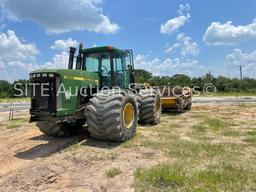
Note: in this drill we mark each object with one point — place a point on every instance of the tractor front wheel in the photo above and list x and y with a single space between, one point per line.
112 116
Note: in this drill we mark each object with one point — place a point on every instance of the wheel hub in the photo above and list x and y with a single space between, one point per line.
128 115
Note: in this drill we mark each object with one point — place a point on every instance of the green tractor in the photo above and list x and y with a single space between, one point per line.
100 92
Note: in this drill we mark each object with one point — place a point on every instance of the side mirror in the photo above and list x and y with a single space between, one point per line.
129 67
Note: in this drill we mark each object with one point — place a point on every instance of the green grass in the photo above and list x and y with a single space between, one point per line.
9 100
251 140
251 133
231 133
215 124
177 177
160 177
200 127
210 123
210 151
190 151
134 141
113 172
16 123
73 147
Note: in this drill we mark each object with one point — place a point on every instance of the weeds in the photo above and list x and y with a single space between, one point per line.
113 172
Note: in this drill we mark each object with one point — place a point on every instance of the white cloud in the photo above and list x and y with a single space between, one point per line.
169 67
1 65
58 61
64 44
62 16
177 22
16 56
171 48
229 34
187 45
174 24
13 49
247 60
183 9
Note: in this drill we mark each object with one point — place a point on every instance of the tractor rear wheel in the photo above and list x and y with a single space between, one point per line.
54 129
189 106
112 116
150 107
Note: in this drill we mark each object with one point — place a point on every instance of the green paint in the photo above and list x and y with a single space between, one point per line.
71 81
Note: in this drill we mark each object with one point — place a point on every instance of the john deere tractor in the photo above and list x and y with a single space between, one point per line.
98 91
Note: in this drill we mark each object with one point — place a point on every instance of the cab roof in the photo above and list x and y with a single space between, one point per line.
102 49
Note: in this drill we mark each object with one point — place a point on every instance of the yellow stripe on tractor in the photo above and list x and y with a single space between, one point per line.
80 78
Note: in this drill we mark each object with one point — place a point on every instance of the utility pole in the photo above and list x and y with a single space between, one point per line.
241 71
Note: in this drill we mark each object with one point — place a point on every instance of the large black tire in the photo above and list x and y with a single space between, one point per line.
105 116
150 106
53 129
189 106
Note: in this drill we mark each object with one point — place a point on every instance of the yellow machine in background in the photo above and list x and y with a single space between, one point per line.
172 98
176 99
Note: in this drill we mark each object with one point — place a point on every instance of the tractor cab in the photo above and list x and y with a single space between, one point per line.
114 66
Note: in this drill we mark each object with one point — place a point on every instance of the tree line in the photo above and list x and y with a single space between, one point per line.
7 89
223 84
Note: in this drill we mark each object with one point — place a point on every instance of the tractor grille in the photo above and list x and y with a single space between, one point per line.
43 93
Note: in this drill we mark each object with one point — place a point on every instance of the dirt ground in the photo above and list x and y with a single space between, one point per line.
31 161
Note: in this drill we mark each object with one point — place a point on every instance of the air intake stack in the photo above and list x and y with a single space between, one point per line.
79 57
71 57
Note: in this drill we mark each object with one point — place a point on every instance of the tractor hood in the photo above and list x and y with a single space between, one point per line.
68 75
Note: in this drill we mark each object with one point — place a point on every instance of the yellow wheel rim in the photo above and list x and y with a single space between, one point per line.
128 115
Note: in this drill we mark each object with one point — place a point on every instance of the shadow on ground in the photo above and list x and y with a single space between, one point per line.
55 145
173 112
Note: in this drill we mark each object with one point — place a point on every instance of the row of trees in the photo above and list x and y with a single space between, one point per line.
223 84
7 89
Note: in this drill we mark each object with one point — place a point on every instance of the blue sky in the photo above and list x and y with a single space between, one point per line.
168 37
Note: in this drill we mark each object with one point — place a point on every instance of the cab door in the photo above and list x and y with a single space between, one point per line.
123 69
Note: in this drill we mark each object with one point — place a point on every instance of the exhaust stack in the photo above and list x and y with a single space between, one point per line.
79 57
71 57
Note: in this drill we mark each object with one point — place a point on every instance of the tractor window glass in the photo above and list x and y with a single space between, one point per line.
99 62
91 62
119 70
105 69
128 60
